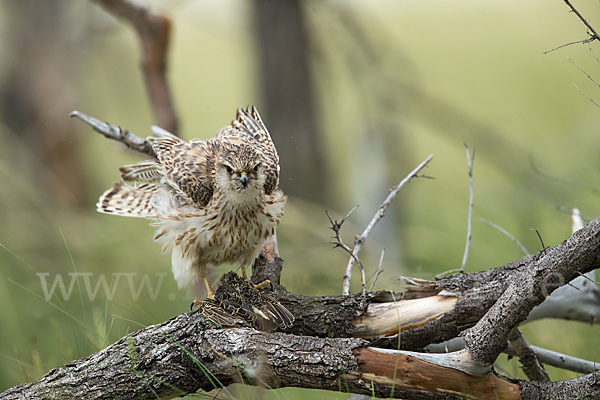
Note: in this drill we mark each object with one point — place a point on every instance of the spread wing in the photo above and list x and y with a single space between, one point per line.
188 167
250 129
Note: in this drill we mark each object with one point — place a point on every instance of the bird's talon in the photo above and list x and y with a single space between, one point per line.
263 284
195 306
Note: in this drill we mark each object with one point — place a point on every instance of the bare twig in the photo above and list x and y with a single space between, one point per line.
586 95
589 279
591 31
583 41
378 215
583 71
531 365
538 170
541 241
569 211
378 272
470 159
130 140
507 234
593 52
154 31
335 227
594 34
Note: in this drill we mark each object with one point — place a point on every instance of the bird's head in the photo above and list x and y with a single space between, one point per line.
239 170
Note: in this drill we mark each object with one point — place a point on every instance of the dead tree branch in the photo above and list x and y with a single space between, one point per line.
336 226
378 215
154 32
591 31
548 357
507 234
117 133
183 354
470 159
531 364
579 253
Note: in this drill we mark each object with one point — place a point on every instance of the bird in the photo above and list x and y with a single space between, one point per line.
212 201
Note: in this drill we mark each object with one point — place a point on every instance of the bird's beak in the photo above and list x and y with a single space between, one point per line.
244 179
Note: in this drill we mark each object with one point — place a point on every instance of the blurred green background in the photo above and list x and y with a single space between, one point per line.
354 102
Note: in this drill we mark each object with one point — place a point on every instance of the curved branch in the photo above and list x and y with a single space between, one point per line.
183 355
580 253
154 31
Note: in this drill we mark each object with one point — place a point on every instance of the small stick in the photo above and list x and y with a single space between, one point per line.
583 41
335 227
593 36
505 232
130 140
583 71
378 272
470 159
586 95
378 215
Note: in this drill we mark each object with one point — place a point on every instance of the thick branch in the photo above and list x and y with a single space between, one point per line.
444 308
173 358
154 31
583 387
182 356
578 254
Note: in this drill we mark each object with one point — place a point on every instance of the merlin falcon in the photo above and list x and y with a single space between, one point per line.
213 201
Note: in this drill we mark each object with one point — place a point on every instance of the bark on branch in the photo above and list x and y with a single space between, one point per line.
184 354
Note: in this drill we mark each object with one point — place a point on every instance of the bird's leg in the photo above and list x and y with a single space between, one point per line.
209 289
259 286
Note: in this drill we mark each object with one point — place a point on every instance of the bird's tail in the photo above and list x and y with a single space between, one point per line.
129 201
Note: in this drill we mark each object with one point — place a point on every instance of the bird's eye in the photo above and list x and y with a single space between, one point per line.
229 169
256 167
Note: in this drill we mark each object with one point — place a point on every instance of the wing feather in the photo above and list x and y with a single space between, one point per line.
188 166
143 171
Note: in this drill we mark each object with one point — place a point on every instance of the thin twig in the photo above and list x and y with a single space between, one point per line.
583 41
130 140
588 278
593 35
531 364
378 215
378 272
569 211
470 159
154 31
336 227
583 71
506 233
586 95
541 241
593 53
